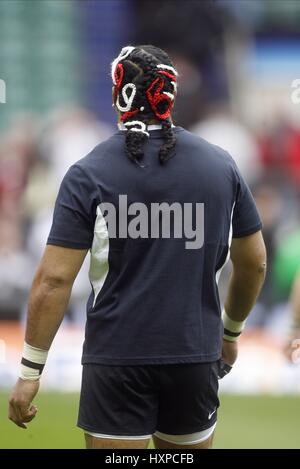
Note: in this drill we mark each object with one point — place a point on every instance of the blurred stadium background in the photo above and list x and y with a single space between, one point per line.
239 62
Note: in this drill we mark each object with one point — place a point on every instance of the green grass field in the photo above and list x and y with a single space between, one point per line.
244 422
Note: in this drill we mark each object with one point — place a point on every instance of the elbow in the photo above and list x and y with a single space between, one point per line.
256 266
260 261
249 257
253 263
261 269
51 280
257 260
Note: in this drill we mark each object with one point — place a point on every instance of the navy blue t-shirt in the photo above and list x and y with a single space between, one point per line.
153 299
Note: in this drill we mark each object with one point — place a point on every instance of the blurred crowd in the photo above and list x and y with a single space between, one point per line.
219 99
33 160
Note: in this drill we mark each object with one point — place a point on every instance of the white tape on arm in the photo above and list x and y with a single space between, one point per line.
232 329
32 363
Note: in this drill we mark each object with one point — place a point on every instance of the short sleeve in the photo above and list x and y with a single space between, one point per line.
74 212
245 220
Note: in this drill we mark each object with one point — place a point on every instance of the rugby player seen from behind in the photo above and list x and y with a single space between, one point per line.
156 341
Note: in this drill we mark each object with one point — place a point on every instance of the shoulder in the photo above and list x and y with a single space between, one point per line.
97 158
211 152
101 151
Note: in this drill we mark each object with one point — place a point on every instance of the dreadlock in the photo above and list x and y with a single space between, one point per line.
145 89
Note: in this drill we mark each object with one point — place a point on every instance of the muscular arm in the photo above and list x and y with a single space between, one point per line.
50 294
248 255
48 301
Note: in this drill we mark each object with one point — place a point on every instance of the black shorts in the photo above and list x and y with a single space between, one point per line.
139 400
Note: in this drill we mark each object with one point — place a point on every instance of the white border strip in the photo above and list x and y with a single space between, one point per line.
190 439
118 437
218 273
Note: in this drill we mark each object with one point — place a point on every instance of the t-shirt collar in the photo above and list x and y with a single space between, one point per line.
150 127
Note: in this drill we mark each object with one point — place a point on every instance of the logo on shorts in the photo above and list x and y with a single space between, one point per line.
211 414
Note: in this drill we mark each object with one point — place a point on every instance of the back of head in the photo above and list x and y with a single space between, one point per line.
145 86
